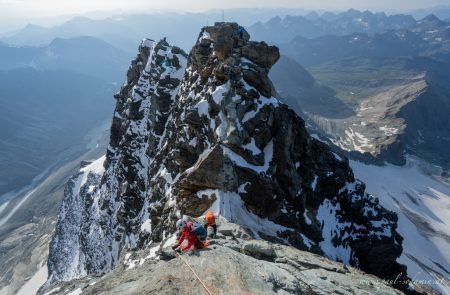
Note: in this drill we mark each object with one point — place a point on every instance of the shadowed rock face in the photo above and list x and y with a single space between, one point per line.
188 135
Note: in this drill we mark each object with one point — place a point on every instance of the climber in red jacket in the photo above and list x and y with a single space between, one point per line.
187 232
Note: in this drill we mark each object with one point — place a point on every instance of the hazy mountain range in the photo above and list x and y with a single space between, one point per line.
99 59
282 30
43 116
280 25
442 11
51 96
427 37
124 30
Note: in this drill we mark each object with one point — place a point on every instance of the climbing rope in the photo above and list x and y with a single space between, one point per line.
198 278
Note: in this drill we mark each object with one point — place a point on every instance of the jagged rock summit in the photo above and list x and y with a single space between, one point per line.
205 132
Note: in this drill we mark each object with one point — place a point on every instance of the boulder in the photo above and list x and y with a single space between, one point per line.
224 36
261 54
257 248
257 78
167 254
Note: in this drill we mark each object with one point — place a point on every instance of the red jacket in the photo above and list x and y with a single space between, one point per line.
189 235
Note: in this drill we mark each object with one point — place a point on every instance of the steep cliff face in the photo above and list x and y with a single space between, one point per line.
104 205
206 132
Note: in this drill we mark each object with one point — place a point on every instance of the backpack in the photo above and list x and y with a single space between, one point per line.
199 231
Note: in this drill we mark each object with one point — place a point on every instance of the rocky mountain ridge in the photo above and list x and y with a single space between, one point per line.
247 265
206 132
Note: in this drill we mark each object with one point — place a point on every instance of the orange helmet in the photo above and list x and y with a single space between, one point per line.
210 218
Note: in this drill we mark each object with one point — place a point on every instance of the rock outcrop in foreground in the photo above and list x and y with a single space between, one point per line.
235 264
206 132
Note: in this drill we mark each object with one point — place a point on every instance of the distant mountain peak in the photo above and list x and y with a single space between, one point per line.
431 18
275 20
33 27
282 30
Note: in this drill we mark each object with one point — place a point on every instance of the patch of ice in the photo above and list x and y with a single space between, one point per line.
251 146
193 142
326 214
337 157
307 241
219 93
260 103
362 108
147 226
246 60
241 162
221 130
353 141
241 188
161 52
96 166
170 241
202 156
148 43
314 183
384 225
131 263
202 107
206 192
212 124
205 35
91 188
231 207
165 174
53 291
76 292
388 131
152 253
307 219
315 136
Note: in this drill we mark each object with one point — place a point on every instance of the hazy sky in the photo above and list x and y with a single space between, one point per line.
28 9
